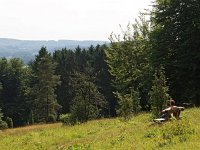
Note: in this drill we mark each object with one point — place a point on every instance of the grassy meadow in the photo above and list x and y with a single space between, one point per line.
140 133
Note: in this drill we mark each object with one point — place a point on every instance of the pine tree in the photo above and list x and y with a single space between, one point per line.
103 79
65 60
77 61
45 84
13 79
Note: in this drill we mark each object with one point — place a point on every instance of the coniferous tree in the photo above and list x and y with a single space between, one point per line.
45 84
12 77
66 65
104 79
70 62
159 93
176 46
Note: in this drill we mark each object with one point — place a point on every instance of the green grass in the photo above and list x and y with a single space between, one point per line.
137 134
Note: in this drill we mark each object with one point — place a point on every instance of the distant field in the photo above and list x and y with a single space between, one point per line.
137 134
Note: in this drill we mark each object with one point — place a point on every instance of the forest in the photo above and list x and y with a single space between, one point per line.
155 58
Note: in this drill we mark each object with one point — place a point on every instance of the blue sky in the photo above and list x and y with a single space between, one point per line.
66 19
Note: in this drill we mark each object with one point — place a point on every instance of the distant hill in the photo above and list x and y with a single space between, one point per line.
27 49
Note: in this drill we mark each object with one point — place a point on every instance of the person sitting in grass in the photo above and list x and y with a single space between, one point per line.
172 111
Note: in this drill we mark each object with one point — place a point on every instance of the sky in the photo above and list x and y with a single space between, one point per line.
67 19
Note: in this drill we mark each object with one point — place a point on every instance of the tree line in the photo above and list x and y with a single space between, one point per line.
66 81
151 61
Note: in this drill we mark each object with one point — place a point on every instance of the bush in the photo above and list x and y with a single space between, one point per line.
3 125
67 119
9 122
51 119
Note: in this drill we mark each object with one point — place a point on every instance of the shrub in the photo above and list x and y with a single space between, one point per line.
3 125
51 119
9 122
67 119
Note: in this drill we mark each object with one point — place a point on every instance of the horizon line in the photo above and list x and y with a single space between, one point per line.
21 39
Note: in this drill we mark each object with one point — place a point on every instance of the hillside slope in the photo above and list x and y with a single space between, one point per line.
139 133
27 49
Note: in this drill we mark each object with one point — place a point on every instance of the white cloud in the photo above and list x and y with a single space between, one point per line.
66 19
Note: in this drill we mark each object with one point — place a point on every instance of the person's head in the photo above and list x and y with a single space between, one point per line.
172 102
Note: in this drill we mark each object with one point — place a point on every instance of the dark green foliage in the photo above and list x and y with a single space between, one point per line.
51 118
79 60
13 77
45 83
28 93
80 80
67 119
176 46
128 61
1 88
88 102
3 124
31 117
129 104
159 93
135 100
65 60
125 105
9 122
103 78
88 67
